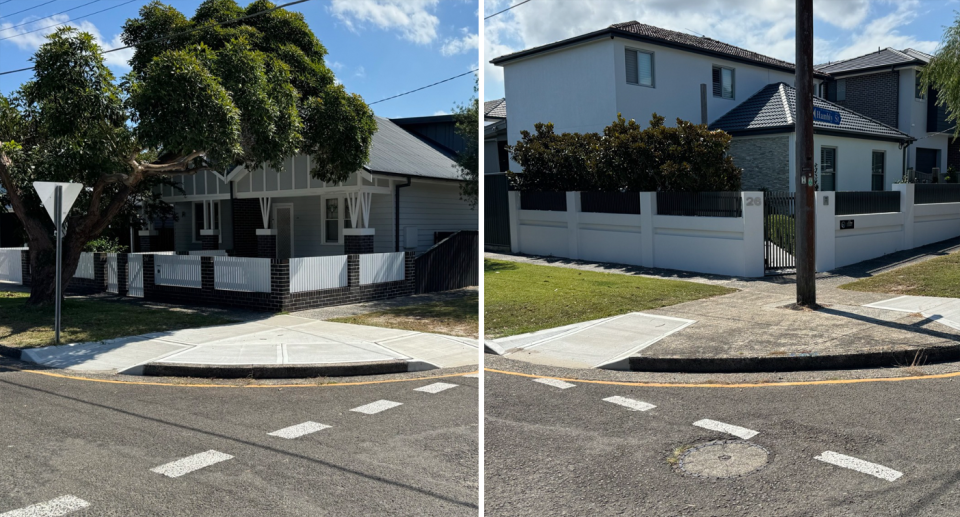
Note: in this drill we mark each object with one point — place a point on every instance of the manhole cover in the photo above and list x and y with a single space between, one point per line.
723 459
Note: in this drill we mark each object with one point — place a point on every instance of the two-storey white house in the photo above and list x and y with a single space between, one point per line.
885 85
580 85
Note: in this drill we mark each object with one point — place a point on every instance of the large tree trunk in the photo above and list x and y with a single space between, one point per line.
43 271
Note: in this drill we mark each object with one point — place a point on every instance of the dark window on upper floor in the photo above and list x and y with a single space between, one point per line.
723 82
639 66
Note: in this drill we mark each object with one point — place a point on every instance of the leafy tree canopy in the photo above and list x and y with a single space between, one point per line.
467 119
626 158
943 74
199 97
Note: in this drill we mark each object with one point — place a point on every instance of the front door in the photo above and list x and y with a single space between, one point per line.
284 221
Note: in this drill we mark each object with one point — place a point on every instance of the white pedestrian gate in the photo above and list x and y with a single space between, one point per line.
112 282
135 275
10 265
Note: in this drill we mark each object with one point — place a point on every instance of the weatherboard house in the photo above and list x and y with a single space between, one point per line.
406 198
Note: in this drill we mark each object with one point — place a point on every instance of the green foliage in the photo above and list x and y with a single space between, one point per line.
687 157
467 119
943 74
105 245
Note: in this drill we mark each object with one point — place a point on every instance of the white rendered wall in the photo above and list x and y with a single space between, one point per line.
854 161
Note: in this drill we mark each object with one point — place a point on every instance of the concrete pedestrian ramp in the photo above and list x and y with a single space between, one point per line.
283 345
605 343
942 310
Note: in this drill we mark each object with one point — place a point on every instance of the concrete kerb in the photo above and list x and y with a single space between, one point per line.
280 371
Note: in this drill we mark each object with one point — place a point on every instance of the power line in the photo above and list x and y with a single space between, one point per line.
507 9
60 24
422 88
259 13
28 9
51 16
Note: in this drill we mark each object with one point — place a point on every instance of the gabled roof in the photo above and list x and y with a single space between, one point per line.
495 109
885 58
689 42
395 151
773 110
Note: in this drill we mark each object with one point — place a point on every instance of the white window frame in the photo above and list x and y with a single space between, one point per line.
193 220
653 67
323 217
293 245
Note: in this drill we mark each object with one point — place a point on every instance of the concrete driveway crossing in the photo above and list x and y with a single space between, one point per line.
276 340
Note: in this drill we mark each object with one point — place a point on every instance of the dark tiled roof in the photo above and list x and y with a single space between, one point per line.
394 150
774 108
681 39
495 109
880 58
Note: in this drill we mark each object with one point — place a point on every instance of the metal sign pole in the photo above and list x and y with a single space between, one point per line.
58 204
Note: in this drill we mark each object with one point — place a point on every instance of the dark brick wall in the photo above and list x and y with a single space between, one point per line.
246 221
874 95
267 246
953 154
210 242
98 283
357 244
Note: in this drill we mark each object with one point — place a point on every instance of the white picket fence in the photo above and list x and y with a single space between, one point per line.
177 270
135 275
241 274
11 265
381 267
85 266
315 273
113 278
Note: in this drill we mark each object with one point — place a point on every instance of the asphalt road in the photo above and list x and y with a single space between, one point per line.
66 440
554 451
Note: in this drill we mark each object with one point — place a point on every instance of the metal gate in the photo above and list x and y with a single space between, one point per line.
496 214
779 233
112 283
135 275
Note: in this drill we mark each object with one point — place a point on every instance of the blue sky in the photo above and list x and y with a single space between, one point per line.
842 28
377 48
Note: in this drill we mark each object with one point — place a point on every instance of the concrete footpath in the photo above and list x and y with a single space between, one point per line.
273 347
756 328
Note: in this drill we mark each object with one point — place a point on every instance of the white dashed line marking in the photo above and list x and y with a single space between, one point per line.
296 431
189 464
859 465
555 383
436 387
52 508
376 407
735 430
635 405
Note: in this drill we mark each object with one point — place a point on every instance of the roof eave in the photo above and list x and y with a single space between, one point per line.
878 68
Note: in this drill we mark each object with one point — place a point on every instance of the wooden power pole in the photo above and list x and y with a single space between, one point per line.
805 216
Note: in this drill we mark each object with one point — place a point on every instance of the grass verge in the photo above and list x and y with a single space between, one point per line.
24 326
454 317
520 298
935 277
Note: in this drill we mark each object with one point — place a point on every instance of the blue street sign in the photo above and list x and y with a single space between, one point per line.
825 115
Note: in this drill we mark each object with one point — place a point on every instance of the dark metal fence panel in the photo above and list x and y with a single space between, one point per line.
701 204
451 264
496 212
854 203
548 201
928 193
610 202
779 232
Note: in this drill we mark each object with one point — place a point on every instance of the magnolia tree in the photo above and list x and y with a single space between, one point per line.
626 158
200 96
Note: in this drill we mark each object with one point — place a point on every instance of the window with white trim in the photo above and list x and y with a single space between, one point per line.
332 221
723 82
828 169
639 65
198 207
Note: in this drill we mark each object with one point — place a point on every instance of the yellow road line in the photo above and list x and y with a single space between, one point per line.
742 385
139 383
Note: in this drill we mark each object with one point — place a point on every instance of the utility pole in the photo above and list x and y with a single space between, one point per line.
805 216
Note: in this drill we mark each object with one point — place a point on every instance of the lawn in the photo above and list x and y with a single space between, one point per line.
520 298
455 317
935 277
23 326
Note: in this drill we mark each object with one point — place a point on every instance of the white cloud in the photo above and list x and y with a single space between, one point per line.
411 18
460 45
764 26
361 72
31 41
441 112
336 65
